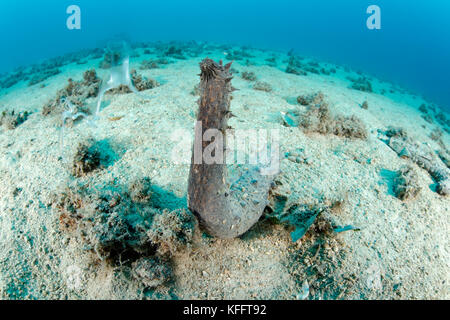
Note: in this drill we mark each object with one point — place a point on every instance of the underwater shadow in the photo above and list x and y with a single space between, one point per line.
165 199
388 179
263 228
110 152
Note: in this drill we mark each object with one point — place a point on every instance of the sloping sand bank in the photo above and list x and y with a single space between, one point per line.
399 250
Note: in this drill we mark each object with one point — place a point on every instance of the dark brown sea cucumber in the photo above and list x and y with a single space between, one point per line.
225 210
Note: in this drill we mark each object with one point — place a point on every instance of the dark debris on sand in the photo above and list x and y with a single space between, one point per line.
319 248
12 119
76 92
361 84
406 184
318 118
38 73
87 159
140 82
422 155
298 66
122 227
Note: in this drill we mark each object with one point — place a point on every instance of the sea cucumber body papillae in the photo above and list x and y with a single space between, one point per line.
226 210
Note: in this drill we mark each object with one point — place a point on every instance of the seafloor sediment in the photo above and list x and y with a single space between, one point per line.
359 211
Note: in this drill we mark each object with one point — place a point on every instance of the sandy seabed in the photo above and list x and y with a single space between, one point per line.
399 251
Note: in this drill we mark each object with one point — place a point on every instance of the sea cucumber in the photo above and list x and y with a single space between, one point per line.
224 210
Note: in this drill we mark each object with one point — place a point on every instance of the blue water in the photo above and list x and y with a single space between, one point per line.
412 48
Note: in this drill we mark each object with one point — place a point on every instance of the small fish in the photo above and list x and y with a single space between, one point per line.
346 228
115 118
